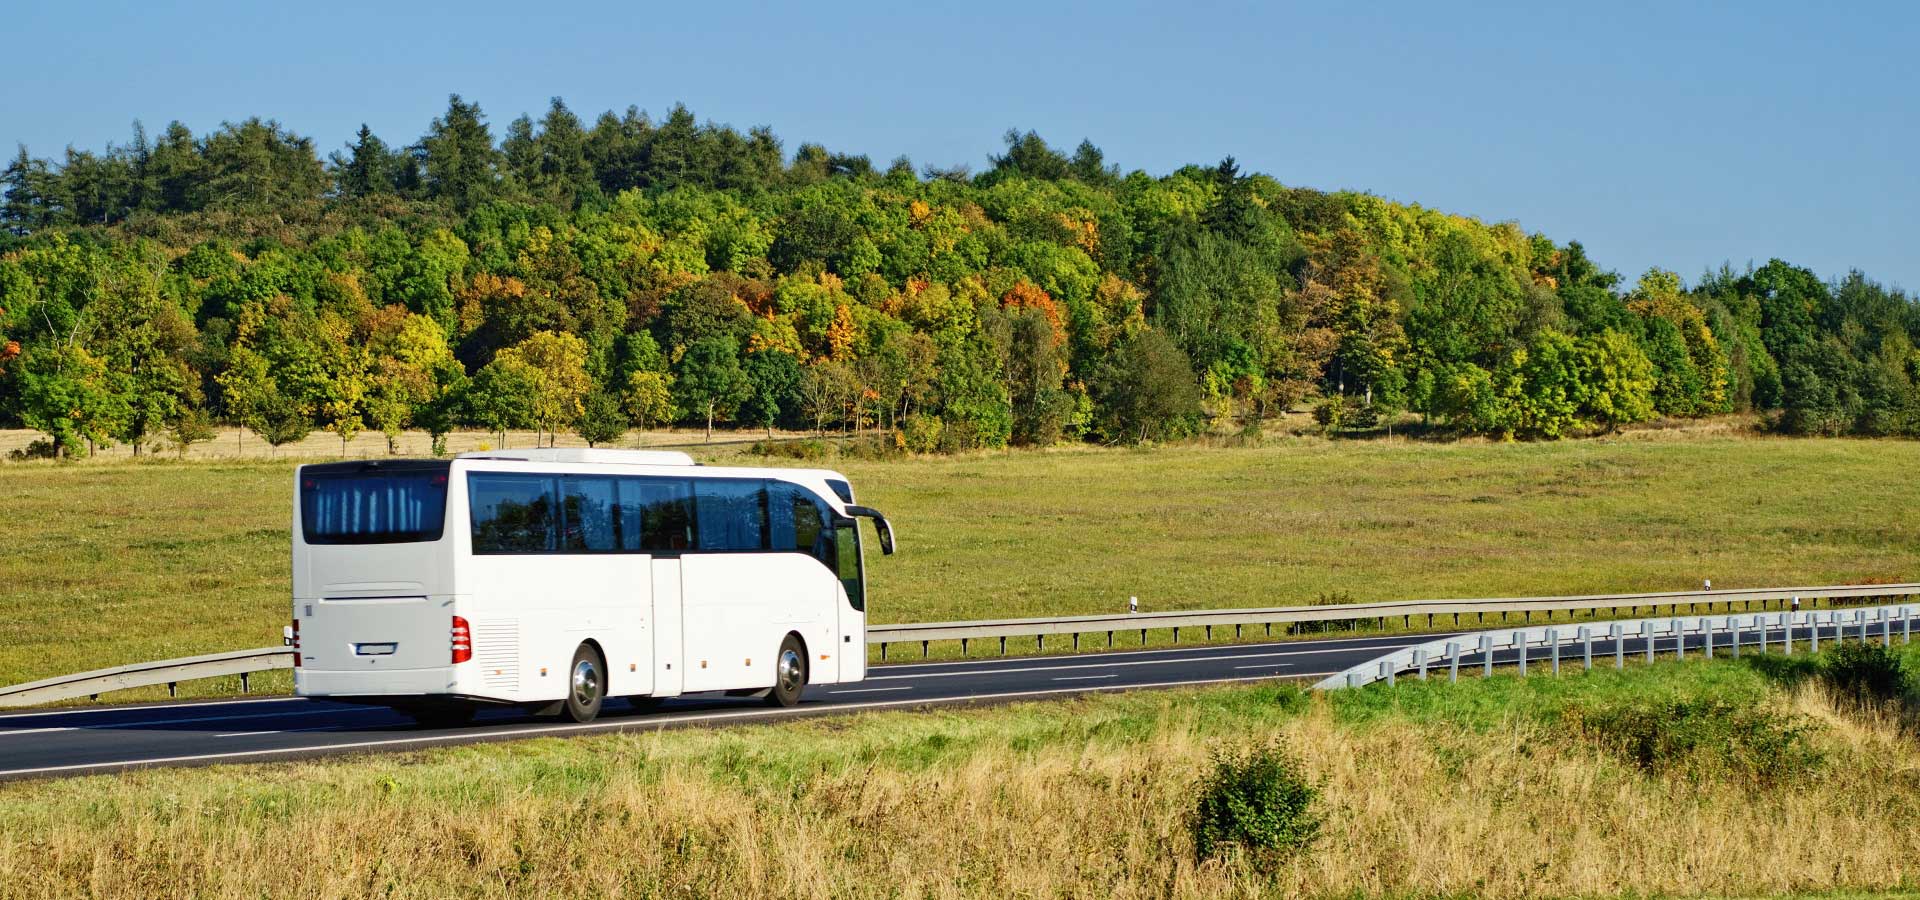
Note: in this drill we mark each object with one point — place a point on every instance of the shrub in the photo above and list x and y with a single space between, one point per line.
1702 738
1866 674
40 448
920 433
1255 800
803 449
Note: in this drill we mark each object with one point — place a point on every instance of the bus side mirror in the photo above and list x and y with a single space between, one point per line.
880 524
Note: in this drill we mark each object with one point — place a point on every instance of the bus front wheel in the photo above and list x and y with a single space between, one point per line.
789 673
586 684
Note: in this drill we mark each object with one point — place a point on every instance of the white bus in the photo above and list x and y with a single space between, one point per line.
555 579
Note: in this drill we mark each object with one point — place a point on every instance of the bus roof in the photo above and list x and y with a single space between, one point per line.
588 455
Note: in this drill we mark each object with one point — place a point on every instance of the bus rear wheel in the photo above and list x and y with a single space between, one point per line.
586 685
789 673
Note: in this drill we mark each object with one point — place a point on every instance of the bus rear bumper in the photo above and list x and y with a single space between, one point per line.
388 683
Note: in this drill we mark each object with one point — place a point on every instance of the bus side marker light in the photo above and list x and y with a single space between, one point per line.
543 671
749 662
823 656
703 664
633 667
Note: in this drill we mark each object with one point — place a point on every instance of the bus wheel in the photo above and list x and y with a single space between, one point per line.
789 673
586 684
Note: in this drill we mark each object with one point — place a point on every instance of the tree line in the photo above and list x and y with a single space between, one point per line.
635 272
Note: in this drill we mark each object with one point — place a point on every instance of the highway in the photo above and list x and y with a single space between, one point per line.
65 742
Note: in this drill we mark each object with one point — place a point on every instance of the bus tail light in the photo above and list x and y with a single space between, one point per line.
462 640
294 640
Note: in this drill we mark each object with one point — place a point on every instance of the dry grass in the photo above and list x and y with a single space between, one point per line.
1431 790
108 562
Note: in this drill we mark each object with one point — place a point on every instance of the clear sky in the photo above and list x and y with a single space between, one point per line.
1675 134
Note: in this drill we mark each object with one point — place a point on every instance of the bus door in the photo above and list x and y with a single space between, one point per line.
853 615
668 631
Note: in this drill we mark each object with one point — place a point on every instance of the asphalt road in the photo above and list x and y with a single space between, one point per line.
56 743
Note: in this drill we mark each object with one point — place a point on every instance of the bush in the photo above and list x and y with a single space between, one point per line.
808 449
1702 738
1255 800
1866 674
920 433
40 448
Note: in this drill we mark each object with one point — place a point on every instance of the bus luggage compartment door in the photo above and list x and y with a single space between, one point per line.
668 672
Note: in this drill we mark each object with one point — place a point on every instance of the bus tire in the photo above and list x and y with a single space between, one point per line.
789 673
586 685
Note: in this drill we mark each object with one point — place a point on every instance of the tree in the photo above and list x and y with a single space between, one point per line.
827 389
69 394
503 394
774 378
1616 380
1145 387
601 419
369 168
709 378
557 364
191 426
461 165
649 398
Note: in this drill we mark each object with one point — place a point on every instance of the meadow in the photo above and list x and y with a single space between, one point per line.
1499 787
115 561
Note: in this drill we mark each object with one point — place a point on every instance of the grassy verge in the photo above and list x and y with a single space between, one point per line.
1497 787
111 562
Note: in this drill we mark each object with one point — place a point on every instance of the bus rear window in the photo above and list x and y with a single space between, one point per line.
361 504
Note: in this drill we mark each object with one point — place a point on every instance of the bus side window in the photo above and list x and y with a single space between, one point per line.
513 513
656 515
731 513
810 534
588 521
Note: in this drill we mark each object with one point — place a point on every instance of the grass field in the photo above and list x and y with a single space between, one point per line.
1488 788
108 562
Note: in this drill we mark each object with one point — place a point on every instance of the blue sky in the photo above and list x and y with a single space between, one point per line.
1674 134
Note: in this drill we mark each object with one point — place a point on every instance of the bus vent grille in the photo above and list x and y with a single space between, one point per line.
496 652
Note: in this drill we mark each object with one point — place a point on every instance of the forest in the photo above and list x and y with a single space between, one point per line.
634 272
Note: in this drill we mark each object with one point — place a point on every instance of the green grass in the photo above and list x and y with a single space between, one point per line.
104 562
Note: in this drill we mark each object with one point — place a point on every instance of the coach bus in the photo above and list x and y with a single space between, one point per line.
557 578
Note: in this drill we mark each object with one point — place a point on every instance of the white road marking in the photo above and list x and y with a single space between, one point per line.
103 726
1390 640
871 690
1264 666
1084 677
112 708
622 724
1095 664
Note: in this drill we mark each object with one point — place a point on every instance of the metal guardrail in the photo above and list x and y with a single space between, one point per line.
243 662
1448 652
1238 619
167 671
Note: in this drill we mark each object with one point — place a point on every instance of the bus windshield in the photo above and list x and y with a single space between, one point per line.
360 503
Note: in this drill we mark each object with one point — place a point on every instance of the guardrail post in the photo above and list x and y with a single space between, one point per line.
883 650
1109 640
1553 637
1386 671
1906 626
1486 654
1886 628
1786 633
1176 634
1420 660
1003 643
243 684
1679 640
923 647
1733 628
1813 619
1586 642
1646 631
1618 635
1453 662
1520 644
171 685
1860 615
1706 635
963 646
1353 679
1143 639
